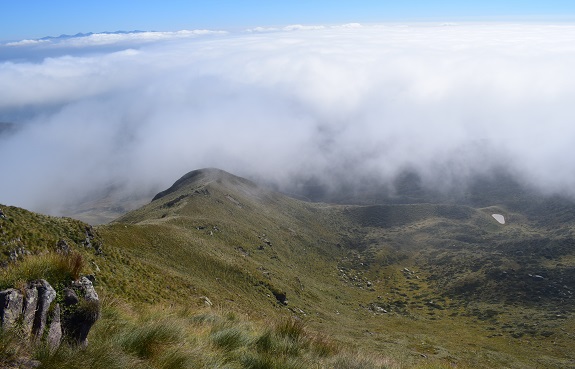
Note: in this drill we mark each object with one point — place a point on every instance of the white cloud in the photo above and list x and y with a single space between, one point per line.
263 29
300 27
361 100
26 42
350 25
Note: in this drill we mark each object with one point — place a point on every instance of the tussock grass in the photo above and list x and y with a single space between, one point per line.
184 336
36 233
98 355
11 347
75 263
147 340
322 346
292 328
174 358
355 363
204 318
289 338
229 339
172 338
53 267
272 362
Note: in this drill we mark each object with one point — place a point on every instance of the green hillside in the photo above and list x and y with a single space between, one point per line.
220 273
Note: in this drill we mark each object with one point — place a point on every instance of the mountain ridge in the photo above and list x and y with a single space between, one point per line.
384 278
80 34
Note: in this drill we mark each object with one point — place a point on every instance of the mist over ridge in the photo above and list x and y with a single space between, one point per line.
336 105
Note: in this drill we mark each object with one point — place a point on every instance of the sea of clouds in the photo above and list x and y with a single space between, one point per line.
337 104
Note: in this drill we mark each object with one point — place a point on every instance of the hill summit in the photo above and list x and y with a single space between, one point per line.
202 177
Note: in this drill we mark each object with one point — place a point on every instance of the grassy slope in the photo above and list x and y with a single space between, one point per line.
324 256
343 271
23 232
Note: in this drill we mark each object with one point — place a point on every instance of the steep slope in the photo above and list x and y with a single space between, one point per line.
220 232
23 232
386 277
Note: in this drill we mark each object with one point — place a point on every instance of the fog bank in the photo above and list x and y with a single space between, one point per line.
337 104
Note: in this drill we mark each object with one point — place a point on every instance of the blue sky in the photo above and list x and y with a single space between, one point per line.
20 19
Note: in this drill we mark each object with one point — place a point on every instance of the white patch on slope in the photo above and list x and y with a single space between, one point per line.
498 217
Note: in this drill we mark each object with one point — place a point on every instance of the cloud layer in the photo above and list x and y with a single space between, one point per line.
333 103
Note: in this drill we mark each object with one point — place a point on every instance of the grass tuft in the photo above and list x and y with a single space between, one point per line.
149 340
11 347
175 359
323 346
229 339
75 263
53 267
265 343
293 328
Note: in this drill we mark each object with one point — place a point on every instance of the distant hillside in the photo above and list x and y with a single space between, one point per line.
498 188
64 36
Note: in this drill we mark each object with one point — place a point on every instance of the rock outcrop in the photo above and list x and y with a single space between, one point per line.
55 332
46 295
29 309
36 315
83 305
11 301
